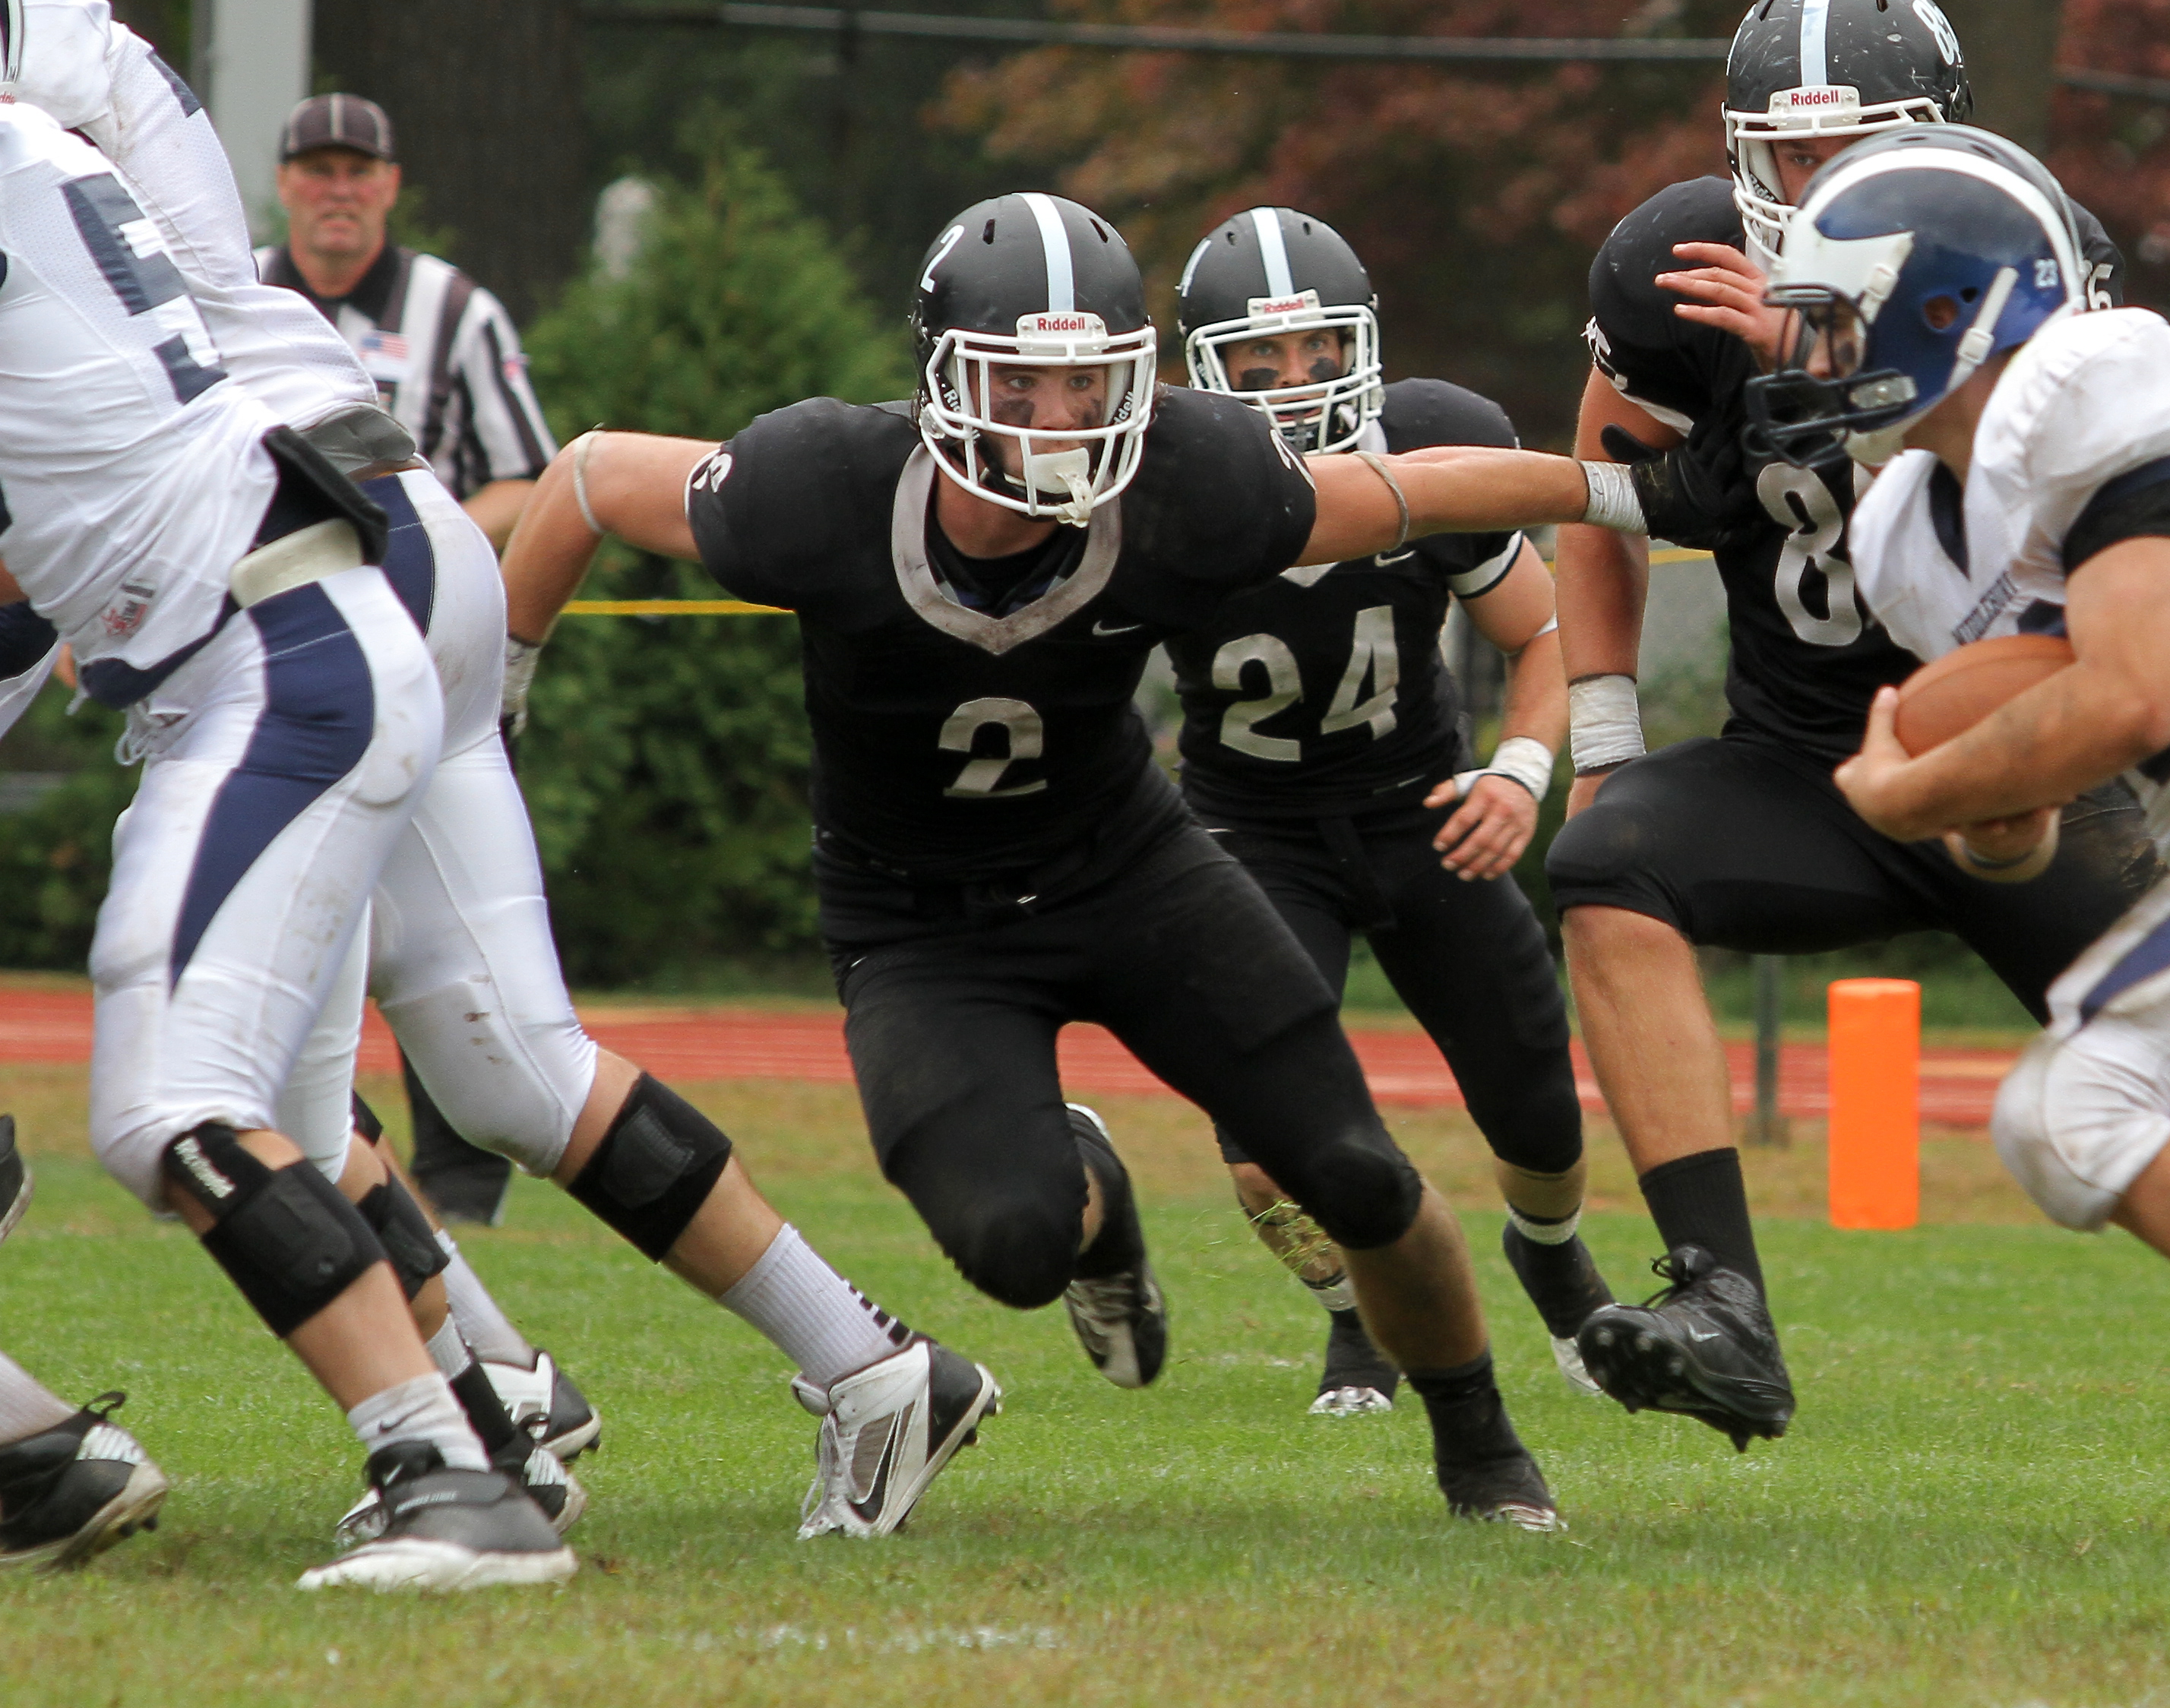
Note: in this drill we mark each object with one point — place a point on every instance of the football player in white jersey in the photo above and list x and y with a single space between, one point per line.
218 578
2027 491
460 956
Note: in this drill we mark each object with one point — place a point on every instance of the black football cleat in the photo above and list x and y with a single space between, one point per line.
1510 1491
73 1491
1563 1283
447 1530
542 1399
1704 1347
1120 1319
14 1179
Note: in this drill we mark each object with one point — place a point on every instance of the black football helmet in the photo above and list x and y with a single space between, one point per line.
1269 270
1829 68
1033 281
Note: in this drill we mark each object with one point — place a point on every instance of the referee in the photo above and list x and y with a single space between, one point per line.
448 365
442 349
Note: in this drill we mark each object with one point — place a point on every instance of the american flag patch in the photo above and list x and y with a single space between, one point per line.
377 341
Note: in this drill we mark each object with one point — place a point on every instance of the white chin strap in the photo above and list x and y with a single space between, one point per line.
1874 450
1048 472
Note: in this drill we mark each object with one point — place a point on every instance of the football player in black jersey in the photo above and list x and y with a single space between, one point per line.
978 574
1743 841
1322 747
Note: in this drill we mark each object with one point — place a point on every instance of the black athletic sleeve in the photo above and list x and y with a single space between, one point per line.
1219 500
1421 412
779 511
2135 505
2104 285
1669 366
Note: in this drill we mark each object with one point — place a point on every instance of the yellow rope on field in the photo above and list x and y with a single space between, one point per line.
739 607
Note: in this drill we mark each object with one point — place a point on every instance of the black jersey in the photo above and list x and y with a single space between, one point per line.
1321 693
1807 658
954 745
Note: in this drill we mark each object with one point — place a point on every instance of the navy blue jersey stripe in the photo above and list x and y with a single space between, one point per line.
319 710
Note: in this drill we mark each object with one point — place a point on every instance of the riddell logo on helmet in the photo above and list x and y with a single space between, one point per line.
1302 303
1061 326
1822 98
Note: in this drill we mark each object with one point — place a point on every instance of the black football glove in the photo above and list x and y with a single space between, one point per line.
1699 493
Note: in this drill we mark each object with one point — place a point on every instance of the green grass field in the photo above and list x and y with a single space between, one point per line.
1972 1508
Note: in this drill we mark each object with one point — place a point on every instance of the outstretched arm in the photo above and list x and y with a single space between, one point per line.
634 488
1448 490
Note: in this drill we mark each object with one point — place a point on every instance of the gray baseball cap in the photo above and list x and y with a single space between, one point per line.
337 121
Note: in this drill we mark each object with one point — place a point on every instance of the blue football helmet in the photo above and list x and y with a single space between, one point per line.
1915 257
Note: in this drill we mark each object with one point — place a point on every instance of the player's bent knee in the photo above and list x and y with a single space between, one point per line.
1360 1189
1021 1255
284 1236
654 1169
2074 1133
404 1229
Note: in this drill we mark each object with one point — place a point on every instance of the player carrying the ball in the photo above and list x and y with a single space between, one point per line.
1936 280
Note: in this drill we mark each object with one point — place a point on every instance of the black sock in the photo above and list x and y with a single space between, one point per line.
1118 1246
1562 1280
1700 1200
1469 1421
502 1439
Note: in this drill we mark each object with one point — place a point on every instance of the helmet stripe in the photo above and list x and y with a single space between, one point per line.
1815 15
1267 221
1055 241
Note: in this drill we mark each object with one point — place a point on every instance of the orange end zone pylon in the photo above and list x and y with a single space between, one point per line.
1875 1119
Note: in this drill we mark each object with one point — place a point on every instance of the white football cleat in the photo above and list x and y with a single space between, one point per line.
886 1433
1350 1402
446 1531
545 1396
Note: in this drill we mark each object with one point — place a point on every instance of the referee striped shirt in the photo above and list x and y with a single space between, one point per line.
446 362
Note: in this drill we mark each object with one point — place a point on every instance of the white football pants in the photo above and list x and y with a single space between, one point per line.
282 763
2087 1107
458 953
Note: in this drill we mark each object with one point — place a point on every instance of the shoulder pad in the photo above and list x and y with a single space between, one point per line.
1218 497
1419 413
2104 284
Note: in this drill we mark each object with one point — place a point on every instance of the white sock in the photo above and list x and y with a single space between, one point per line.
420 1410
27 1409
818 1319
448 1349
483 1327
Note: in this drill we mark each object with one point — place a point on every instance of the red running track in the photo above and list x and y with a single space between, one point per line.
1957 1085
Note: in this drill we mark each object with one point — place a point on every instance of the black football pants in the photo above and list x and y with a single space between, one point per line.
952 1037
1469 959
1740 843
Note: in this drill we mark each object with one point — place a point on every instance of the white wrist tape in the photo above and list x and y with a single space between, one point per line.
1521 759
1604 722
1612 500
520 657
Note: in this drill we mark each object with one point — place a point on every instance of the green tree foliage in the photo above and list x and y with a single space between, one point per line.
665 759
57 852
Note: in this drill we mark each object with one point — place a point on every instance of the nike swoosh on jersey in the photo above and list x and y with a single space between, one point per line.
1101 627
1387 559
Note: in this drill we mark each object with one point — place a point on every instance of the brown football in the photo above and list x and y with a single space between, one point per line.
1961 689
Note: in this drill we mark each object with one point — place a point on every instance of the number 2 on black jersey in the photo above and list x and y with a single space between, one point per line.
1373 654
1024 737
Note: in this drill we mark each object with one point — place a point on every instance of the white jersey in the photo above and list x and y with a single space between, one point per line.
98 76
132 471
2085 401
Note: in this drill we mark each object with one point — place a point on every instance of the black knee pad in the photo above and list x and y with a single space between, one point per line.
409 1239
1359 1187
654 1168
287 1237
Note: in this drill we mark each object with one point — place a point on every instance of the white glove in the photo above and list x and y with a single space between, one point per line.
520 657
